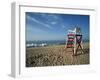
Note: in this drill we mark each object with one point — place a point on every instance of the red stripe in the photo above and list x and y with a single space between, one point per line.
71 34
70 39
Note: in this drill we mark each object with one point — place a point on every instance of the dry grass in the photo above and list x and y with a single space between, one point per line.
55 56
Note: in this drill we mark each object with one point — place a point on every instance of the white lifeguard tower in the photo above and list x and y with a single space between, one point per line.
74 40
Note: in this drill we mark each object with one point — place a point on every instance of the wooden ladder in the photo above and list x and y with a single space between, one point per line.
74 42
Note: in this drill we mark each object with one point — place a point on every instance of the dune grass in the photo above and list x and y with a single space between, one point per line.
55 56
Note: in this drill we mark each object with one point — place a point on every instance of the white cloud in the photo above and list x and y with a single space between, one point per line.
39 22
51 18
29 28
63 26
53 23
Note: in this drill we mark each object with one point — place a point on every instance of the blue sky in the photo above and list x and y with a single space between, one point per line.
47 26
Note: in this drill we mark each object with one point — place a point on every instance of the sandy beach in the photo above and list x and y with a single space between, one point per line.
56 56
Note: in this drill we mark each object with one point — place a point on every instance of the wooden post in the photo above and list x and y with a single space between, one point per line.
78 43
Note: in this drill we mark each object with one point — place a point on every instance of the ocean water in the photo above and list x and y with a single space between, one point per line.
43 43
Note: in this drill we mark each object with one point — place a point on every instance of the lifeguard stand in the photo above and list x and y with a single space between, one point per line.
74 40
